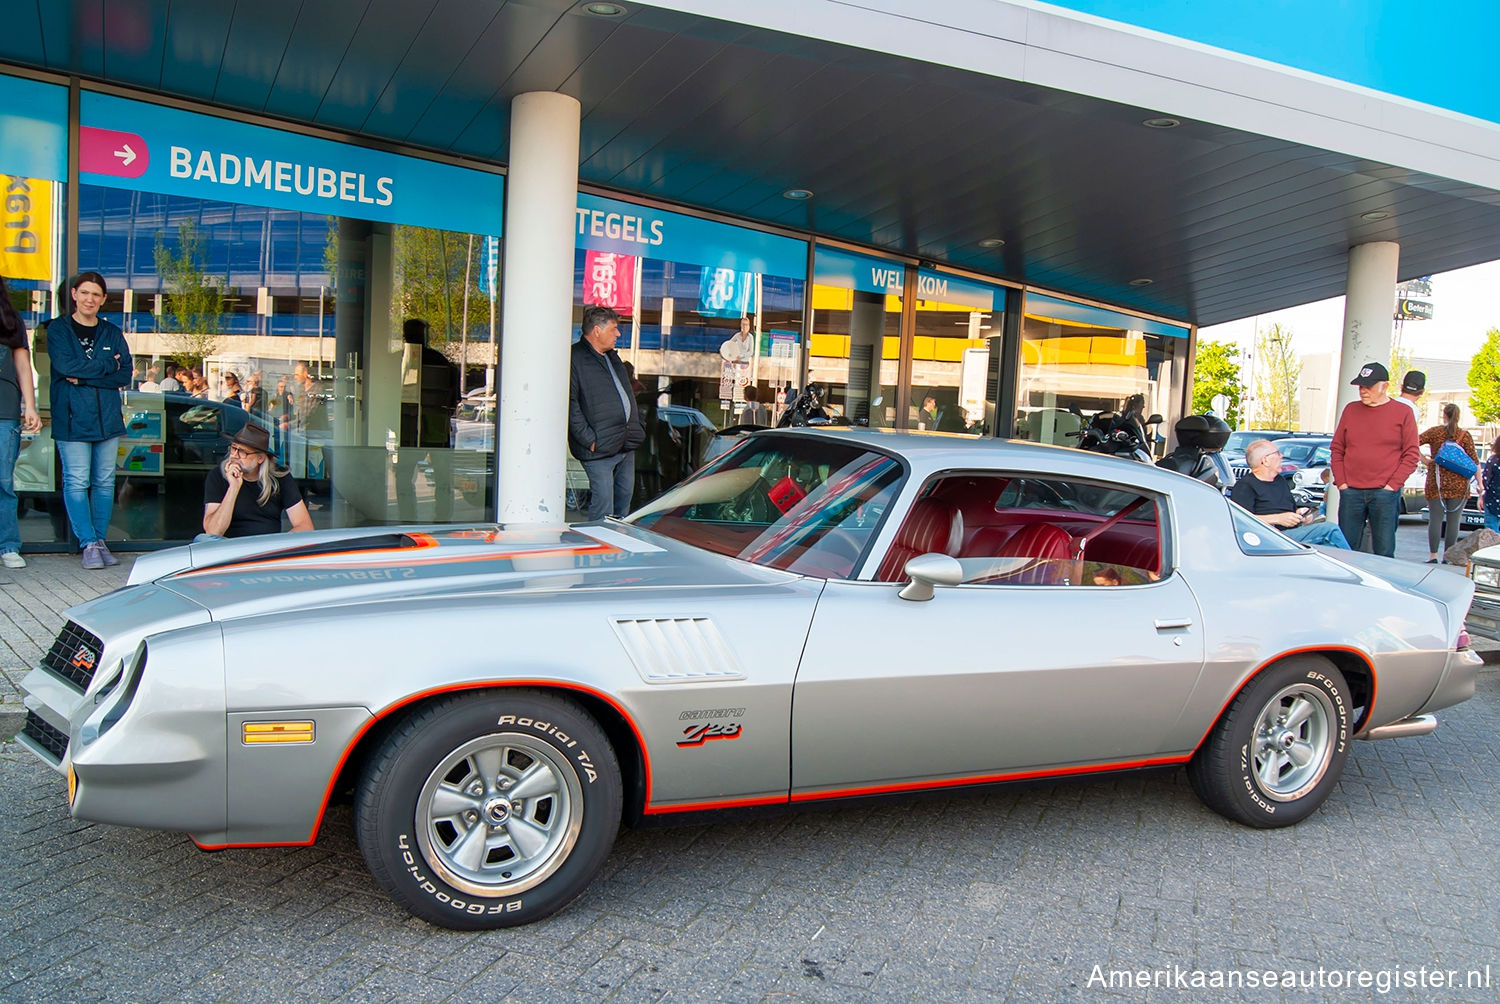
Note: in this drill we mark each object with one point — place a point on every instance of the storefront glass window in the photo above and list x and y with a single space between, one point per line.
33 162
955 354
856 342
338 297
1078 361
711 316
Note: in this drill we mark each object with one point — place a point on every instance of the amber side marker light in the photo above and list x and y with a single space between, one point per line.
72 785
255 733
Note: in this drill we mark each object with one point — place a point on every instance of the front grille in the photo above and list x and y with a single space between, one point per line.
1240 471
74 655
45 736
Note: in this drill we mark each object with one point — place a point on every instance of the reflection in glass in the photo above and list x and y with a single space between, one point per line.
1078 362
270 312
797 503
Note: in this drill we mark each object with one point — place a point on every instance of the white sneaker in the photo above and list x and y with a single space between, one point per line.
10 559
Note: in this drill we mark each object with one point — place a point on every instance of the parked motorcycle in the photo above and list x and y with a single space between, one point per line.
1118 433
1200 438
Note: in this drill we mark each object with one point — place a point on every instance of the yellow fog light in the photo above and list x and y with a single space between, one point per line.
254 733
72 785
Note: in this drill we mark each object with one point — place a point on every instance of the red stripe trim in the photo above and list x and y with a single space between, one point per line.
958 782
731 803
408 556
1307 650
421 695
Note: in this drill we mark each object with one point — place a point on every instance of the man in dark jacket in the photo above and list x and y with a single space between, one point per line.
604 424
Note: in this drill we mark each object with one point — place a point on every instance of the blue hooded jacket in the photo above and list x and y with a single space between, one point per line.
88 411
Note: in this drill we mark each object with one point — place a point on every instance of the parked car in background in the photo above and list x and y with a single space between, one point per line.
1299 452
1234 450
818 615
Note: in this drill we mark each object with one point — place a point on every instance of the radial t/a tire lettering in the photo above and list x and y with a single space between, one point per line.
489 809
1279 748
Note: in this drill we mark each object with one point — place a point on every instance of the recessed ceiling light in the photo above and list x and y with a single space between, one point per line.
604 9
1161 122
1375 217
797 194
1140 282
991 242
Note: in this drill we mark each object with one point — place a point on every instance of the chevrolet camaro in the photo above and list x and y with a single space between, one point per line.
816 615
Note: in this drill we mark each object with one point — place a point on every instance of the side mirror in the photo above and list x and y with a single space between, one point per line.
1155 419
928 570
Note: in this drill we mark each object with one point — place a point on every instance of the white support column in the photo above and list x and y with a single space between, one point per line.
1369 312
541 199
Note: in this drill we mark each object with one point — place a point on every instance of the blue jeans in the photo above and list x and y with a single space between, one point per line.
88 477
1325 533
611 483
1380 508
1492 521
10 449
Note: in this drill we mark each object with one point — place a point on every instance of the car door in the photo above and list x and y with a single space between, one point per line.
1003 676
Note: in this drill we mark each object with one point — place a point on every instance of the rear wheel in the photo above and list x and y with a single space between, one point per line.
1279 748
489 810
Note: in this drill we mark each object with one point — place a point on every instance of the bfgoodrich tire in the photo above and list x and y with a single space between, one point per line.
489 810
1280 746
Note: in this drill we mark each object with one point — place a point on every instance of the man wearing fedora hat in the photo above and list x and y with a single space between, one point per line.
1374 451
247 493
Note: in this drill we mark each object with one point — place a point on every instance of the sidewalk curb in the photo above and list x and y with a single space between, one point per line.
12 718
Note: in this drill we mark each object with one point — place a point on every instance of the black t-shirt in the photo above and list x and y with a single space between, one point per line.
1264 498
85 333
250 517
10 383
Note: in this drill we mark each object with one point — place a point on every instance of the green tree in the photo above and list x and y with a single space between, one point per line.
1484 378
1278 379
431 267
1216 370
194 300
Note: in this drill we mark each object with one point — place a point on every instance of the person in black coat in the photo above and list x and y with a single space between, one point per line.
604 422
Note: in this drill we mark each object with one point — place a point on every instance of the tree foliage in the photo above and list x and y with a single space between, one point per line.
1216 370
430 271
1484 379
1278 379
194 300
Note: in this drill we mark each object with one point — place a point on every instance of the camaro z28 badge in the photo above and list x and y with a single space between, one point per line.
702 731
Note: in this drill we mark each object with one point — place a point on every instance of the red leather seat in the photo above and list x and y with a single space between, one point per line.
1049 546
932 525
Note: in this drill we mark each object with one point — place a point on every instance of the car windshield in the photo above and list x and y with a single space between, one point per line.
1296 453
800 503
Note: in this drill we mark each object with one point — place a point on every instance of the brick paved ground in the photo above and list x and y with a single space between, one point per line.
1012 896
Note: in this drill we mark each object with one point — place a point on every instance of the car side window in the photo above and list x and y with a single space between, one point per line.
1023 530
1258 537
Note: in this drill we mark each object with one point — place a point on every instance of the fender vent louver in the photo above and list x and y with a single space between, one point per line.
677 649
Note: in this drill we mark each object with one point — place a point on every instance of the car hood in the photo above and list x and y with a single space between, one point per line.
268 575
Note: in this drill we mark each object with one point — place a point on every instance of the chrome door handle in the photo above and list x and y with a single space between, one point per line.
1165 623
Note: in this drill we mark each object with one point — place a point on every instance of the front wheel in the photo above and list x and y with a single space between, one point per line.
489 810
1278 750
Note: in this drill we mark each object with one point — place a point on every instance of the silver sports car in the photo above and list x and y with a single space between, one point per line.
816 615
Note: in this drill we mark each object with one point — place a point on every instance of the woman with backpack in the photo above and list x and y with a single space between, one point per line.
1447 490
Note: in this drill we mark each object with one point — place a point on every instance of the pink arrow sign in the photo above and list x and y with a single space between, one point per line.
107 151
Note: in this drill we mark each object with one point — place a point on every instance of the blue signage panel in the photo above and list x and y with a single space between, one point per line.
1067 310
628 229
149 148
33 129
1439 54
862 272
945 288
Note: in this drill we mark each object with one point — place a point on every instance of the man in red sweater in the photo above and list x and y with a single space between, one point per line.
1374 451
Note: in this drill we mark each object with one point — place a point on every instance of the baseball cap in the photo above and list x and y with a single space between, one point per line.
1370 374
1414 382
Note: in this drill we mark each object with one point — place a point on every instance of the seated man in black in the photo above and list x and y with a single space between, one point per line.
247 493
1266 494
